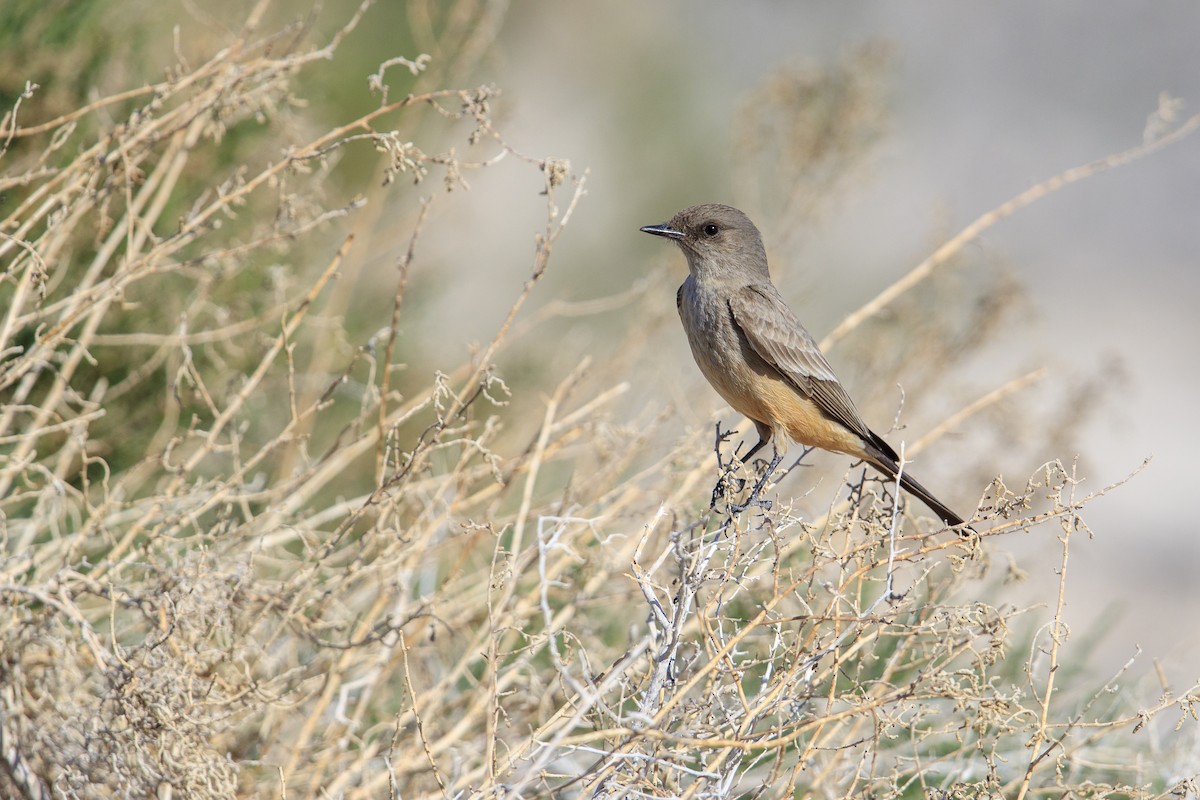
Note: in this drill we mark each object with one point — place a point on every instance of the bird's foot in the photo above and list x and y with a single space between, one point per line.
755 498
751 502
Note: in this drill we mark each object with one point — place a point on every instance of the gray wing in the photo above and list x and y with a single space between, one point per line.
780 340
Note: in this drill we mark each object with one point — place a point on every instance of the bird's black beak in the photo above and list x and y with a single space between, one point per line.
664 229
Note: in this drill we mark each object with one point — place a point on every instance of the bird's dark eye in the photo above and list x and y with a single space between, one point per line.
711 229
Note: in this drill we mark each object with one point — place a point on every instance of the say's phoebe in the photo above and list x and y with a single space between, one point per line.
757 355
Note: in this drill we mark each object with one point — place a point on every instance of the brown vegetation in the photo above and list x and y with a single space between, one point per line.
246 552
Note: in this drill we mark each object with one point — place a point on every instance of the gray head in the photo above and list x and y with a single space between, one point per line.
721 243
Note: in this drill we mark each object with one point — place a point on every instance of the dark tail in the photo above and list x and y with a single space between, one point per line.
885 460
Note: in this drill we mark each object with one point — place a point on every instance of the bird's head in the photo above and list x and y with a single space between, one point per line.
721 244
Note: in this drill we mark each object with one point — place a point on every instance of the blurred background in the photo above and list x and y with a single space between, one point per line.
977 103
946 111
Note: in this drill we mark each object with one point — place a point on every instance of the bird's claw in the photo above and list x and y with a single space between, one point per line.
726 486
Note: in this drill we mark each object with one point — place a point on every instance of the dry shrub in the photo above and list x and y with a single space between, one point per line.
245 556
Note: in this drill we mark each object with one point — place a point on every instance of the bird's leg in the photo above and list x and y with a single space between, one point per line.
753 499
750 453
764 436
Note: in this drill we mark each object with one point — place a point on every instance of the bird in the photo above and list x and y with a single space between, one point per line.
755 353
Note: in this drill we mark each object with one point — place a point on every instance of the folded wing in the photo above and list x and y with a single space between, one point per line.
780 340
